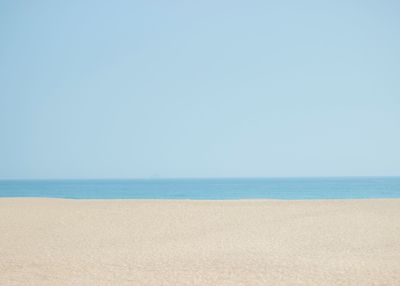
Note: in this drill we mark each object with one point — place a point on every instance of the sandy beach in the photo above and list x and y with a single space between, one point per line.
258 242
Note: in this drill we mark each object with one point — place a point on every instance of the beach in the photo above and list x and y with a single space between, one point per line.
189 242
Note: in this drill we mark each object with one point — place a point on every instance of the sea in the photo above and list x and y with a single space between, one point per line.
207 189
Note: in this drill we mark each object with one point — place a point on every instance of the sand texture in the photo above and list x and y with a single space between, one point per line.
260 242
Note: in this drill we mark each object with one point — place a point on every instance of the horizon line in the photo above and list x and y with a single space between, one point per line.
198 178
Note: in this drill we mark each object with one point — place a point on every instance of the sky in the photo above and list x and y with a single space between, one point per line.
141 89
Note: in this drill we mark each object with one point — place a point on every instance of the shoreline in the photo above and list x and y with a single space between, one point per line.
56 241
195 200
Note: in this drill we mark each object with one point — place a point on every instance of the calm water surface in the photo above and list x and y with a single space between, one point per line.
213 189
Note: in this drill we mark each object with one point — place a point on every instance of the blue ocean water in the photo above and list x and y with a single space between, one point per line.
212 189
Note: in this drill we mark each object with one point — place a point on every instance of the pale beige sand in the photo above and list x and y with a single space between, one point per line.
67 242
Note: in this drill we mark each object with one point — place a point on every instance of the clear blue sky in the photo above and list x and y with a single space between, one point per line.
129 89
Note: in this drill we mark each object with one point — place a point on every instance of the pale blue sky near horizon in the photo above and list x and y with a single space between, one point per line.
135 89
